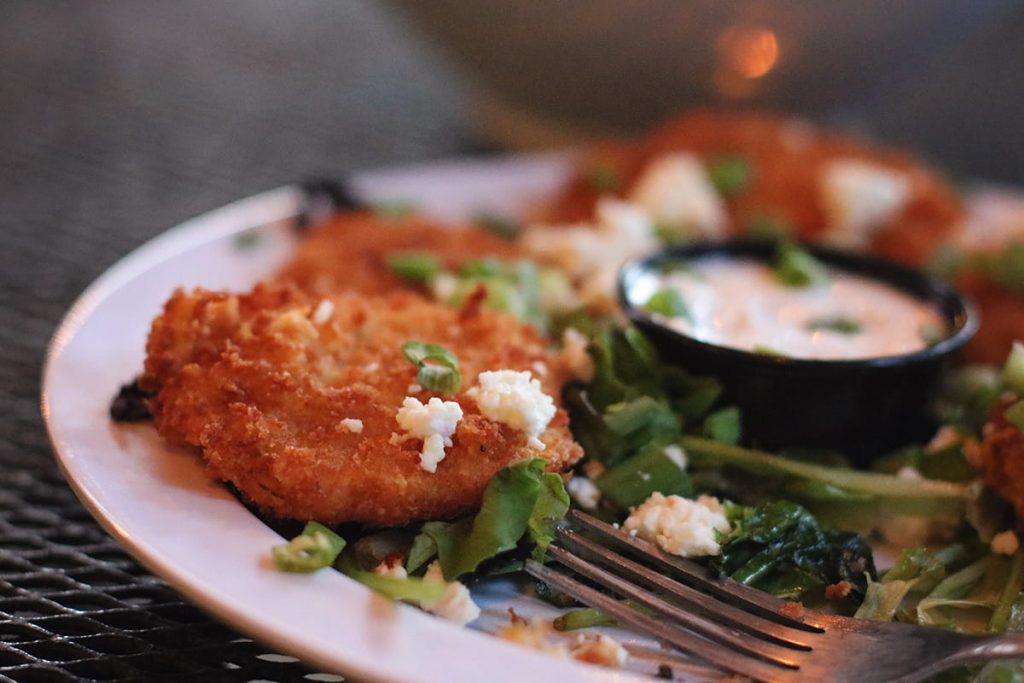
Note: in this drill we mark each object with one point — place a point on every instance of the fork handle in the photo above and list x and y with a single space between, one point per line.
1002 646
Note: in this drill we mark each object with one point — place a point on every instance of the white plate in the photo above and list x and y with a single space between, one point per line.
158 503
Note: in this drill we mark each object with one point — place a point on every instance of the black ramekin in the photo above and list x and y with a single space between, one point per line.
862 408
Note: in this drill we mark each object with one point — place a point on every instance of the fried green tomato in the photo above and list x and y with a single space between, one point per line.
786 158
353 251
295 400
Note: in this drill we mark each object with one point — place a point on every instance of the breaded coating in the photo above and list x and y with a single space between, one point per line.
269 385
1002 456
787 158
350 252
1002 318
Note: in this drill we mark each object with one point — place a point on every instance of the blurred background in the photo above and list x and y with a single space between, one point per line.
122 119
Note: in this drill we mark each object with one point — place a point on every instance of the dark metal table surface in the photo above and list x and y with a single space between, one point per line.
116 122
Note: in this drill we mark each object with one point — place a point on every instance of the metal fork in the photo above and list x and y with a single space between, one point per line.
742 630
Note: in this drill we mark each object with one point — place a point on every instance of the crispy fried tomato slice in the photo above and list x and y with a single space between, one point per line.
1002 456
262 383
351 251
787 156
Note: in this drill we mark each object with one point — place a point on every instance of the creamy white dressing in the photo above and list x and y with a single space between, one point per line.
740 304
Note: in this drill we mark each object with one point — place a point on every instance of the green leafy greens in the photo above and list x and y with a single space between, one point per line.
521 500
315 548
780 548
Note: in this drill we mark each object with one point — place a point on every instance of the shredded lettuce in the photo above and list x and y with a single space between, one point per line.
966 599
916 571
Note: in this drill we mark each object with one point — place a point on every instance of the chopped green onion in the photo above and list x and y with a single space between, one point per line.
496 225
633 480
415 266
441 374
604 178
796 267
504 296
485 267
588 617
669 303
585 617
1015 415
730 174
1013 370
905 496
315 548
723 425
439 378
411 589
768 226
837 324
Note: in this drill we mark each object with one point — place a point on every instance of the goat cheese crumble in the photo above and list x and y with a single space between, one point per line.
603 650
351 424
680 526
858 198
516 399
575 355
434 422
592 255
455 604
675 191
676 454
323 311
391 568
584 492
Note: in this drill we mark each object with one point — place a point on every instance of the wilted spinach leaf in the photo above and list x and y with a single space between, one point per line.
781 548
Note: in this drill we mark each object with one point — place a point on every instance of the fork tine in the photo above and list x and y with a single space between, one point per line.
700 624
708 650
749 599
714 609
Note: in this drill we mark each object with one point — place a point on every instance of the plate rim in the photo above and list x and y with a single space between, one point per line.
194 233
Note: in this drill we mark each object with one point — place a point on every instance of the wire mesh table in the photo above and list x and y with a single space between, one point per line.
120 121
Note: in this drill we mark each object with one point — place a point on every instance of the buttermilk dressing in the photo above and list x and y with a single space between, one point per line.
740 304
